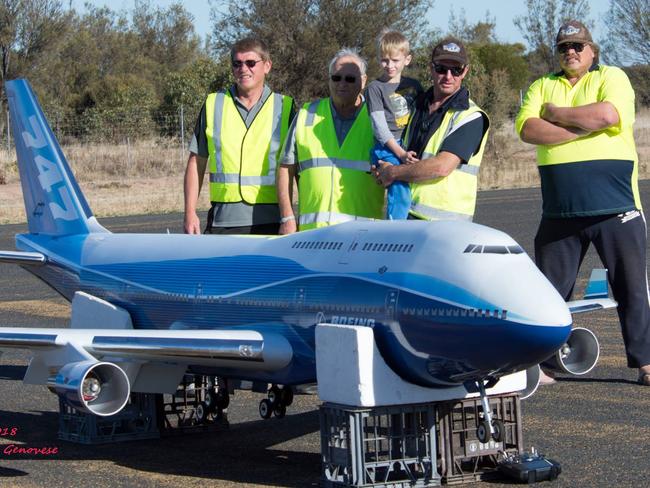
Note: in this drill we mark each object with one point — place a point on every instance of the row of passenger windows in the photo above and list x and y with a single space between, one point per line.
385 247
455 312
480 249
330 246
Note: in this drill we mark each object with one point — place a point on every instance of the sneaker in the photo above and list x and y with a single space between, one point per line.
644 375
546 378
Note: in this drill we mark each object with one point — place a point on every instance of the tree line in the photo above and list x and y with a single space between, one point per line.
102 63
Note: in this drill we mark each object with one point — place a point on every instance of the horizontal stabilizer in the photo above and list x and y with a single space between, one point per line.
579 306
22 258
596 295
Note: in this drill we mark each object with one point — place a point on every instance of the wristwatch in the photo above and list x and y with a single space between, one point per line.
286 219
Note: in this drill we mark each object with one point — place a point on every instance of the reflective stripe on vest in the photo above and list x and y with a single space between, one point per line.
432 213
339 163
232 156
328 218
452 197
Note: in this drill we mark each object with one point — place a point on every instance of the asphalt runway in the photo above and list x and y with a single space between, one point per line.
596 426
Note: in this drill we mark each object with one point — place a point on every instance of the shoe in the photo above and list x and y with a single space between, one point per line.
644 376
546 378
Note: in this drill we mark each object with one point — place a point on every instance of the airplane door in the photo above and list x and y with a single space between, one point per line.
391 303
348 252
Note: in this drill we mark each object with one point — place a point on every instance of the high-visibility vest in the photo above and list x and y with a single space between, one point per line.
243 161
451 197
335 184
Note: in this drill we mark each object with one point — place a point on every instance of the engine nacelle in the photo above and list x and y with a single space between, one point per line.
578 355
95 387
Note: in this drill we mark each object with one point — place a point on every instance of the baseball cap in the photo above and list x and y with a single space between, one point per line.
450 49
573 31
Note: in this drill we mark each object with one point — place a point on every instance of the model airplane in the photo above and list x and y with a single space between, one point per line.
449 302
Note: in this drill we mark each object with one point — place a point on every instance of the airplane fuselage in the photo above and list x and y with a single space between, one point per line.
448 301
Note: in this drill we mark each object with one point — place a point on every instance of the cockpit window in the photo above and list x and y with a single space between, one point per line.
481 249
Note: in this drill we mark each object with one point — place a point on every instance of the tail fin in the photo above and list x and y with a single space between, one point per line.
54 203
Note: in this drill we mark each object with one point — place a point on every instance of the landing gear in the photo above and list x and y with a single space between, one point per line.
276 403
266 409
488 428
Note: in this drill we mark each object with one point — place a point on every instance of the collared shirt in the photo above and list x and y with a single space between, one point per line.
463 142
595 174
237 214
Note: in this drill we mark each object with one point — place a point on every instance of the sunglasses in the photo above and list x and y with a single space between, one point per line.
250 63
441 69
576 46
348 78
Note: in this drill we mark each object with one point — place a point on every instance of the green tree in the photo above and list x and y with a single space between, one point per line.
628 32
539 27
303 35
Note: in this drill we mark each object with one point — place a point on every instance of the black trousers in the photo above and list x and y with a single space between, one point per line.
620 241
261 229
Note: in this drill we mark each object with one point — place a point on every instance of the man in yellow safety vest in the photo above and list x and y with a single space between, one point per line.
328 149
444 141
238 136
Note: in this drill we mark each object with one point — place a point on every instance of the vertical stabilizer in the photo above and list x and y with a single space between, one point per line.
54 203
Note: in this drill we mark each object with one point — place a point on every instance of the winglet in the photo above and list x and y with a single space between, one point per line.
54 203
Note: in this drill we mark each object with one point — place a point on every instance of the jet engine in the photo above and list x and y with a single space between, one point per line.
577 356
99 388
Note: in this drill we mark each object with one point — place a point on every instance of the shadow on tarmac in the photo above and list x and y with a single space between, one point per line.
248 452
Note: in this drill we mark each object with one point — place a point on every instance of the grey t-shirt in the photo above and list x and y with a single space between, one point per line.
236 214
390 106
289 153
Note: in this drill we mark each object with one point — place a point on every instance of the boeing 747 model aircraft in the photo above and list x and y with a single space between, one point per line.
450 303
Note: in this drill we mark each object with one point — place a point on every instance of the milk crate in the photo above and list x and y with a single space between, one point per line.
392 446
136 421
463 459
193 407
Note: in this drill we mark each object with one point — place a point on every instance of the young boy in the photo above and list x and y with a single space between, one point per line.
390 100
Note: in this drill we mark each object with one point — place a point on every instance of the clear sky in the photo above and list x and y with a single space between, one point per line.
502 11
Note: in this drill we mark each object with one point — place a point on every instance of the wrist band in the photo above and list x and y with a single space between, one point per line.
284 220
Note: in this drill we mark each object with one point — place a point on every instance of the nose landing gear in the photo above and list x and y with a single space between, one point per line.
488 428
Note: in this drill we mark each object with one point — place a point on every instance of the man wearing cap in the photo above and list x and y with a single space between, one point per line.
444 139
581 119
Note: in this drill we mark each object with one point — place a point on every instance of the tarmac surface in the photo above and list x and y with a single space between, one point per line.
597 426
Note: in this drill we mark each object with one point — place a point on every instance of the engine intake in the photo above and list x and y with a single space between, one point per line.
99 388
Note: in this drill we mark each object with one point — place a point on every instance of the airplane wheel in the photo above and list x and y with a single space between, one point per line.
210 401
499 430
201 413
274 394
483 431
266 409
222 399
287 396
280 411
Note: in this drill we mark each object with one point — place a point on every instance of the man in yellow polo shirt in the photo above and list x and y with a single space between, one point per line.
238 137
581 120
328 148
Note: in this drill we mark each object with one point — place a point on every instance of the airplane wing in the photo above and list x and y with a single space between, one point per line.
22 258
596 295
119 359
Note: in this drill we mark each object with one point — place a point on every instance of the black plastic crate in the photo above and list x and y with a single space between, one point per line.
463 458
392 446
137 420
